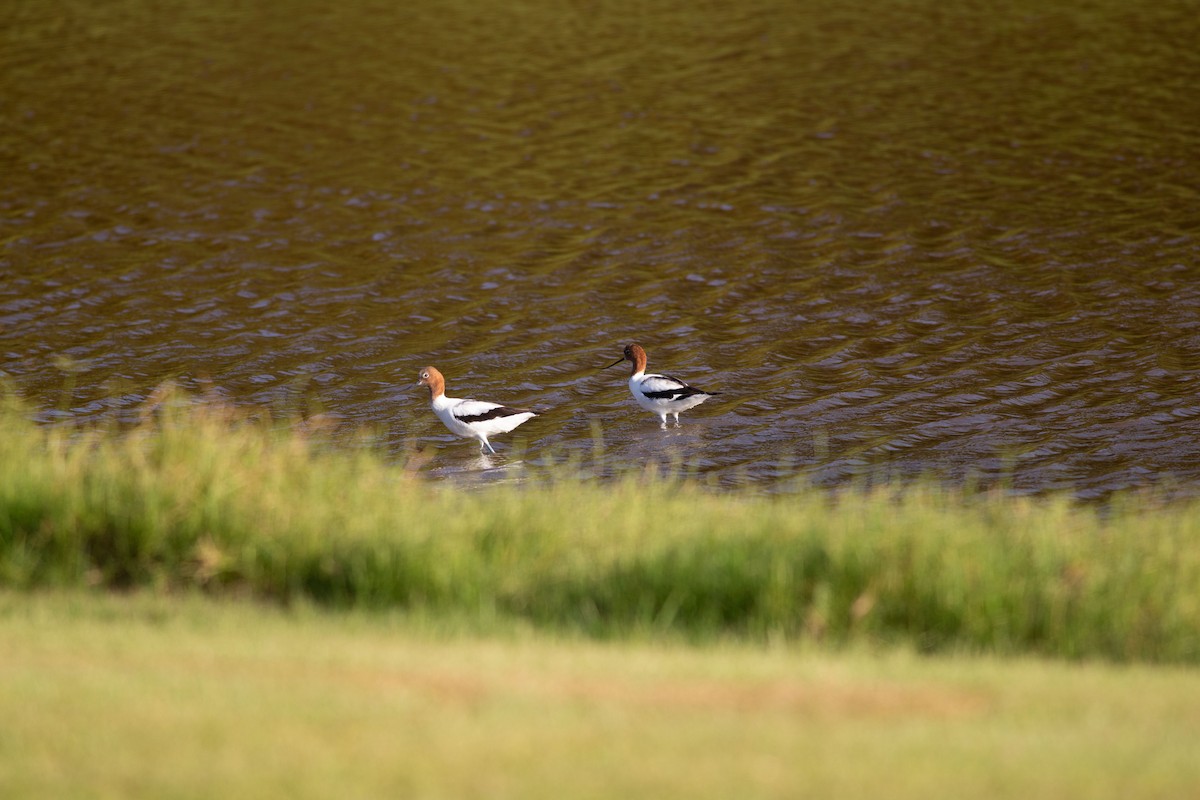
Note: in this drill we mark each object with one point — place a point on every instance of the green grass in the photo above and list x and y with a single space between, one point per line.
176 696
198 498
296 619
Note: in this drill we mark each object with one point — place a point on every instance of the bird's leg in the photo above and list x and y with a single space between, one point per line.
676 420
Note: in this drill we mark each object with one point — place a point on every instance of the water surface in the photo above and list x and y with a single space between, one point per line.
898 237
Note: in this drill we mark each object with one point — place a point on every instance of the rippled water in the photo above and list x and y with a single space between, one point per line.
897 237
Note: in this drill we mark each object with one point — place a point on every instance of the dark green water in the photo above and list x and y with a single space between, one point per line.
899 237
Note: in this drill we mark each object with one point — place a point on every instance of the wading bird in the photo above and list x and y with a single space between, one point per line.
470 419
659 394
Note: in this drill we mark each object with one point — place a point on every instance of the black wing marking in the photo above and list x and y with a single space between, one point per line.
675 394
679 390
493 413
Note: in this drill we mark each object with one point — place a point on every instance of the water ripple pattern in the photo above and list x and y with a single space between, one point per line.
899 238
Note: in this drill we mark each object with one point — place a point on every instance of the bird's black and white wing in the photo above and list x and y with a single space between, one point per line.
469 411
664 387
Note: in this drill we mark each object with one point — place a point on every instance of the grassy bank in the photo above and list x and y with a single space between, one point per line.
196 498
140 696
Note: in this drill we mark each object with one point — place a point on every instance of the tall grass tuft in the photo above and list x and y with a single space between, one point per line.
200 497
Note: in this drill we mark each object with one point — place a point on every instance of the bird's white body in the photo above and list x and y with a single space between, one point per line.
470 419
662 394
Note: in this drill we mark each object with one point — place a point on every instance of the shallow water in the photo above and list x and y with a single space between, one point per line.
898 238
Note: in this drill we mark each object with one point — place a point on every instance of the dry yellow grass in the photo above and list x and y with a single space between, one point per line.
138 696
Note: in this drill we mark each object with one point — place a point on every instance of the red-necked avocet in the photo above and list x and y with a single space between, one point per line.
470 419
659 394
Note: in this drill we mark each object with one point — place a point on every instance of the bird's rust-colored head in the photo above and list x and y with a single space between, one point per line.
429 376
635 355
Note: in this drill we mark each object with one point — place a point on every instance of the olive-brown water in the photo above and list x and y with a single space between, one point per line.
898 237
